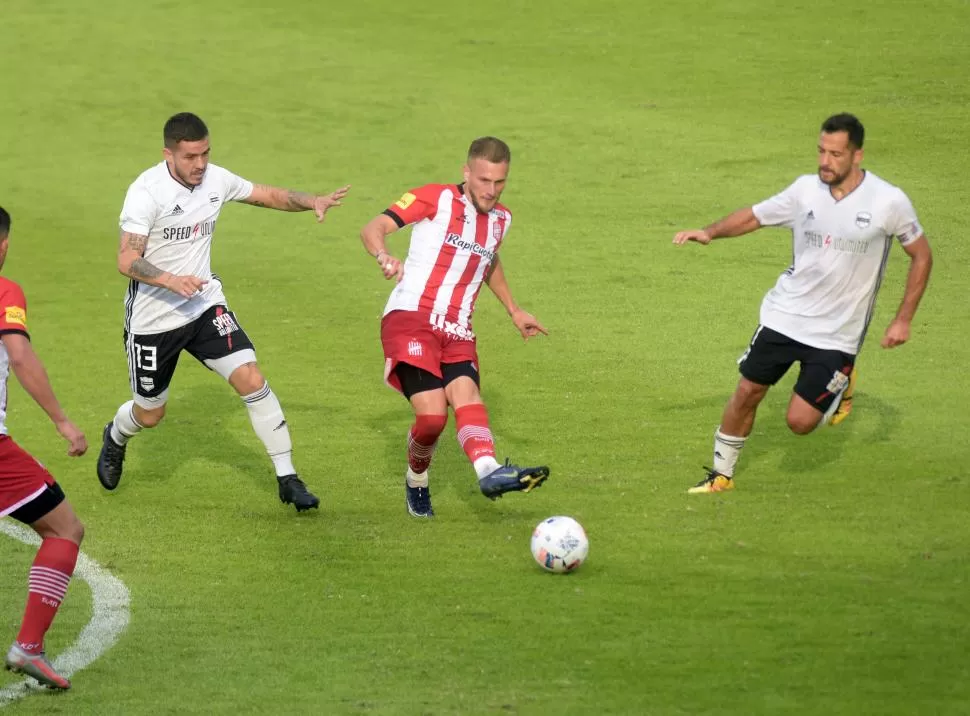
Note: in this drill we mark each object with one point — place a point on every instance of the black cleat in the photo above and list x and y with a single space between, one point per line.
111 461
419 500
293 492
510 478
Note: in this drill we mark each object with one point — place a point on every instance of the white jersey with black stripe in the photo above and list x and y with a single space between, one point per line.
179 223
840 248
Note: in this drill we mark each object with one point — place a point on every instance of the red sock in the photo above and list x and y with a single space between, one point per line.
473 433
49 576
422 439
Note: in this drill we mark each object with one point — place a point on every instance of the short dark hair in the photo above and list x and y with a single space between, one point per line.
4 223
849 123
184 127
490 149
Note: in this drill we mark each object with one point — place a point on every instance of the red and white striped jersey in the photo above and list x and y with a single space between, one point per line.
452 247
13 319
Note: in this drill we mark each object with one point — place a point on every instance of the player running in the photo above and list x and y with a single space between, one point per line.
429 346
29 493
175 303
842 222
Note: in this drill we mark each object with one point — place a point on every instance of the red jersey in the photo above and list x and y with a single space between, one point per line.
452 247
13 319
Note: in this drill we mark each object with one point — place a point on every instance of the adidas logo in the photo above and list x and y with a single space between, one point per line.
177 211
811 215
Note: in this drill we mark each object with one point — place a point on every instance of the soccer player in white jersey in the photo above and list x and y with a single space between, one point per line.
28 492
175 302
429 346
843 220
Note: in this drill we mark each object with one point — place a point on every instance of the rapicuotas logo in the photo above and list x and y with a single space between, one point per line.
464 245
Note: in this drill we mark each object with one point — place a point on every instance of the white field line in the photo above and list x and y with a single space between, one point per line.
110 606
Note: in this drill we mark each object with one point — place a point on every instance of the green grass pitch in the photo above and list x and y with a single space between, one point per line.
834 580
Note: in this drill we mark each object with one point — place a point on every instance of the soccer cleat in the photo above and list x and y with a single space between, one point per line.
845 405
510 478
293 492
714 482
111 461
419 500
21 661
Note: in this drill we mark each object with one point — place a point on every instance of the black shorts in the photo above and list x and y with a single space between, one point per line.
152 358
46 501
417 380
823 375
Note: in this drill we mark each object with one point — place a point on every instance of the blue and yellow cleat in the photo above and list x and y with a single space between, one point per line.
714 482
845 404
512 478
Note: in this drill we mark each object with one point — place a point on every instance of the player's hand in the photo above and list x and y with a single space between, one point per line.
896 334
698 235
527 324
186 286
325 201
70 432
390 266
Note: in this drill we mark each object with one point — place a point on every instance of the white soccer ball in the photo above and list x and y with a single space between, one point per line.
559 544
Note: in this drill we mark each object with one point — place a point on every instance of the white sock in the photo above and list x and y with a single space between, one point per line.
417 479
486 465
124 427
726 451
266 415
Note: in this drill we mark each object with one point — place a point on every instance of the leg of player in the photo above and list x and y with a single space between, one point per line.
802 416
61 532
430 417
130 420
268 422
475 437
736 425
844 405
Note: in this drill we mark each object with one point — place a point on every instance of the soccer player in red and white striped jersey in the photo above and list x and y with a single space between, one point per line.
29 493
429 345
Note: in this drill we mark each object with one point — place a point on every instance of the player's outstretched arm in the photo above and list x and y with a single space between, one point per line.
920 265
133 264
374 237
32 376
527 324
274 197
743 221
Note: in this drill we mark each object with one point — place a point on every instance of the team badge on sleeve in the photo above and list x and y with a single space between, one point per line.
405 201
15 314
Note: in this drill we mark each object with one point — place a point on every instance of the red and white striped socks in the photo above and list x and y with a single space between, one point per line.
476 438
422 439
49 576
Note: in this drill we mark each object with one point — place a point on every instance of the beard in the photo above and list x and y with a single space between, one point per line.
832 178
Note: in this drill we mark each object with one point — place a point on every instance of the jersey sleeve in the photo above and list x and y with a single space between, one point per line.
903 223
13 309
140 210
779 210
236 188
415 205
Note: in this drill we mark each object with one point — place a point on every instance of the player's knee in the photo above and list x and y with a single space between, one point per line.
150 418
802 424
750 393
75 531
247 379
428 427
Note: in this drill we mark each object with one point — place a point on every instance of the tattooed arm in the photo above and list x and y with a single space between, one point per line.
273 197
133 264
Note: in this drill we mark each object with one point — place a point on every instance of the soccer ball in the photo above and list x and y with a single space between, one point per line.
559 544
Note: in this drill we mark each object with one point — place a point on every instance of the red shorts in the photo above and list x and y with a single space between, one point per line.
22 478
410 337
